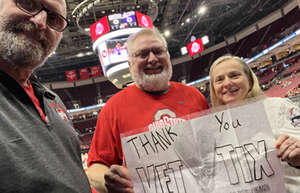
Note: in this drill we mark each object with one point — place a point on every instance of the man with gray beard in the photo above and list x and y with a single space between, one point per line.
152 99
38 146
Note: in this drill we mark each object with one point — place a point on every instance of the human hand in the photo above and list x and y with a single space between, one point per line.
117 180
288 149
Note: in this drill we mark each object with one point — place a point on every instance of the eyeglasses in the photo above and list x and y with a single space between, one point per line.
33 7
143 54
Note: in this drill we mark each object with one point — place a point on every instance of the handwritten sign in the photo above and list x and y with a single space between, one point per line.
230 151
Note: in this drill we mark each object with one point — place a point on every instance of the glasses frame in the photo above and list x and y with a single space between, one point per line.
43 8
138 54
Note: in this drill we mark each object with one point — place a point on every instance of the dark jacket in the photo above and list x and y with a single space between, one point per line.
36 156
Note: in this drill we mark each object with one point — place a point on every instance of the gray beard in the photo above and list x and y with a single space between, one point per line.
153 82
19 51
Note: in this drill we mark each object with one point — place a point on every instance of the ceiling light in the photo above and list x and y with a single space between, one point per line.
114 81
87 29
202 10
193 38
182 23
167 33
126 75
79 55
89 53
188 20
90 6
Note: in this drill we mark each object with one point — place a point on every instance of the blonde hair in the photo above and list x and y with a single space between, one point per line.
144 31
254 90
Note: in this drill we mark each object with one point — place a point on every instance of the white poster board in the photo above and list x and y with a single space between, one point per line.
230 151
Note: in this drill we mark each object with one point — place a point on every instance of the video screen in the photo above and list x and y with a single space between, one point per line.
117 50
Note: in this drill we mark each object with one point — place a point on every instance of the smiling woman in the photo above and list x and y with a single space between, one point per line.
232 80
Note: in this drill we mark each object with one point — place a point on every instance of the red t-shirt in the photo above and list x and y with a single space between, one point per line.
132 109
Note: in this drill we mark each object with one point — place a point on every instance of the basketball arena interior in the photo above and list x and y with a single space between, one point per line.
263 32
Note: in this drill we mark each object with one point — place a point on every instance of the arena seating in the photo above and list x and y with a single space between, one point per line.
281 90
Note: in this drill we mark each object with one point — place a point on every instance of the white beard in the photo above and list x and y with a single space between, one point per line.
153 82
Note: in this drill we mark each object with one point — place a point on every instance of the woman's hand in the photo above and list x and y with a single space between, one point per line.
288 149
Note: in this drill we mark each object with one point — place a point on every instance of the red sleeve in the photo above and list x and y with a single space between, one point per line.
105 147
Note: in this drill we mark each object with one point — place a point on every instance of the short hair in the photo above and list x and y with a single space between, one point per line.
255 89
144 31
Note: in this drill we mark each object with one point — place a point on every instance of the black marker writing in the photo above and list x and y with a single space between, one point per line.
153 142
247 162
225 124
165 177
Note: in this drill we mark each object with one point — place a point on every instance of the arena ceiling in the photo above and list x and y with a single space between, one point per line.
222 19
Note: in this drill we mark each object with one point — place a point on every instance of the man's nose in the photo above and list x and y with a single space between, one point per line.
40 20
152 57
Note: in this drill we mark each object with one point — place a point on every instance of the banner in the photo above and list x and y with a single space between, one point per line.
143 20
195 47
84 73
95 71
99 28
230 151
71 75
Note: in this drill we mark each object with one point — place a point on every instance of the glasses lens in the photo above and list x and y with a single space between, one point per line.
56 21
158 51
144 53
29 6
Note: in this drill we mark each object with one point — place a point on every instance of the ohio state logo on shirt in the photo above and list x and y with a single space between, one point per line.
60 111
294 116
164 118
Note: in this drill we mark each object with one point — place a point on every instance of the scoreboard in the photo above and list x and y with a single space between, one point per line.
119 21
122 20
109 35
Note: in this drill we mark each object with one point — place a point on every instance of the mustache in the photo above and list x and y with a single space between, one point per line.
27 28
